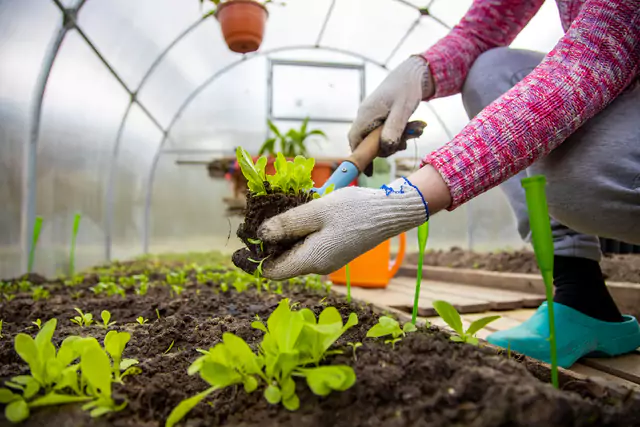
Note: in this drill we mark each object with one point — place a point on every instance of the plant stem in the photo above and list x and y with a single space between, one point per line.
348 273
74 235
423 235
548 284
37 226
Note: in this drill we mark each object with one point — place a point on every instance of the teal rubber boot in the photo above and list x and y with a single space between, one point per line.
578 335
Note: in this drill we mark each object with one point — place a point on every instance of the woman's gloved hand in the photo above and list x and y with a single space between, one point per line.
393 103
340 227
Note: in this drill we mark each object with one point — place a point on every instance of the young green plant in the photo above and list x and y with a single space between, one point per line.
37 226
106 317
84 319
389 326
542 239
294 344
450 315
74 236
423 235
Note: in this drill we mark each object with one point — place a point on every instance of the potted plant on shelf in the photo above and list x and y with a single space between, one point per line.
292 144
242 22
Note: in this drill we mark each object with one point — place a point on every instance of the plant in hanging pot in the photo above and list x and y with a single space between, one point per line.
242 22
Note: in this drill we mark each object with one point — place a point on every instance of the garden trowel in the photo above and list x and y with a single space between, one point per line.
363 156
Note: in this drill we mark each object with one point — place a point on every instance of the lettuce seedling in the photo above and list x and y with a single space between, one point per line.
389 326
37 323
39 293
354 346
293 345
451 316
85 319
1 336
114 344
141 320
106 316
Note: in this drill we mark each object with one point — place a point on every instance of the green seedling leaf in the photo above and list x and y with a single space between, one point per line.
254 180
292 403
96 369
106 317
386 326
450 315
17 411
185 406
272 394
480 324
38 323
7 396
409 327
324 379
54 398
170 347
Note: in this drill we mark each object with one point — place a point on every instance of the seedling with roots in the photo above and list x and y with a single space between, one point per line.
451 316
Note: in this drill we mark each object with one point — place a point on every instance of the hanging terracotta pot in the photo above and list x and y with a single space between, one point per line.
242 23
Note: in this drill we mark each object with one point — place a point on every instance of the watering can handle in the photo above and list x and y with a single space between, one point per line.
400 256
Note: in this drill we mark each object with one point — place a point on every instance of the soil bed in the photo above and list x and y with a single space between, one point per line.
425 381
617 268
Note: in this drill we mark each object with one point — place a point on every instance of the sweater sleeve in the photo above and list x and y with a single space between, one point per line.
591 65
486 25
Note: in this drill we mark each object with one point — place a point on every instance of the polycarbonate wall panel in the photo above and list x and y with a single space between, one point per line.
140 140
369 27
187 210
131 34
26 30
229 112
83 107
297 23
192 61
301 91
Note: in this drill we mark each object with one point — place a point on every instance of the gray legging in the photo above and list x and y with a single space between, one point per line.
593 177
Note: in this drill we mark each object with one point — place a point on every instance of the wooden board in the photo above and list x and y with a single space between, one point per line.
626 367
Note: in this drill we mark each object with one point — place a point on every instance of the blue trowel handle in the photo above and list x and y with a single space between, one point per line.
361 157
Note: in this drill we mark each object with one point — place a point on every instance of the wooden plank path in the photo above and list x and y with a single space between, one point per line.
475 302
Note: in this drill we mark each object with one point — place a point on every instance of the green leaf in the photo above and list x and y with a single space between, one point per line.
114 343
272 394
96 368
274 128
219 375
67 352
26 348
255 182
258 325
32 388
471 340
456 338
480 323
292 403
54 398
17 411
250 384
185 406
99 411
409 327
288 388
386 326
127 363
7 396
106 316
324 379
450 315
241 353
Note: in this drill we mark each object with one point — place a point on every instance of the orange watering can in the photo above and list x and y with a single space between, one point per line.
373 269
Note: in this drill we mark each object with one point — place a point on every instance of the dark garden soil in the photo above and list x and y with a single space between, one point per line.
258 210
425 381
617 268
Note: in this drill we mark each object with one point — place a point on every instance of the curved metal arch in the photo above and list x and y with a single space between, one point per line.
30 191
110 193
209 81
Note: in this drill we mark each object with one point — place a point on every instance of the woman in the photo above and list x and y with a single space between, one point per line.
572 115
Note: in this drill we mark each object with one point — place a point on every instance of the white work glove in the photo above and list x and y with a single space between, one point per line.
340 227
393 103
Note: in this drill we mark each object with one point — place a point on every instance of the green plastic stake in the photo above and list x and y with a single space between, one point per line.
423 235
540 224
348 274
37 226
74 235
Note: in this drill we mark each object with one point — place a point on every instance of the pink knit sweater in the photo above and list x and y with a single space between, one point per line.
596 59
